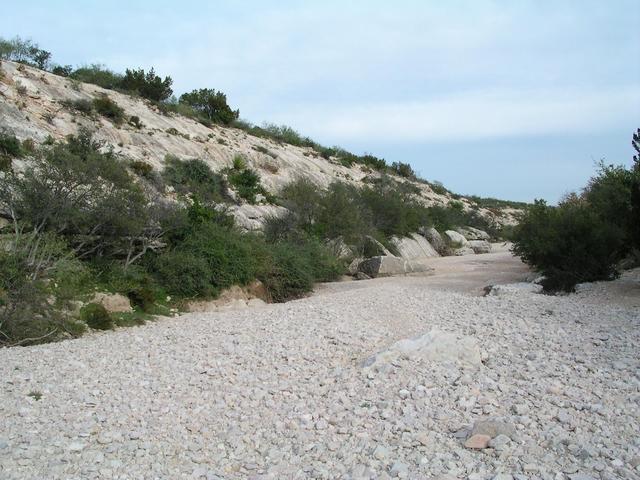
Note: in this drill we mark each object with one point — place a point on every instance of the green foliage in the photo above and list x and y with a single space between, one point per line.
569 244
403 169
62 70
86 197
495 203
108 108
96 316
211 104
147 85
142 168
290 275
246 182
610 194
24 51
183 274
10 145
81 105
194 177
98 75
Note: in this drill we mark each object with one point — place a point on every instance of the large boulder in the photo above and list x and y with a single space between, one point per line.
480 246
414 246
434 346
436 240
471 233
373 247
384 266
457 243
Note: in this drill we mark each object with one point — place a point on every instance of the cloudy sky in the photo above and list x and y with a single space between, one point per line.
511 99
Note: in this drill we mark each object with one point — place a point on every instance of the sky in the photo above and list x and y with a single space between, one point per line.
512 99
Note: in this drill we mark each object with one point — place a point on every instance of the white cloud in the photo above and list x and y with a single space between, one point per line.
471 115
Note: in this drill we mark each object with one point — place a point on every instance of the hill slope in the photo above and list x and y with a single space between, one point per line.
37 104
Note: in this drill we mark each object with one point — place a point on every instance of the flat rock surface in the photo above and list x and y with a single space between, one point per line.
280 392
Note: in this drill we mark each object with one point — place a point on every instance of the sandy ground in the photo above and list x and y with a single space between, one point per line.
289 391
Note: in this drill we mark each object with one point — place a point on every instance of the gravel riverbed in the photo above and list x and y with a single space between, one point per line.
282 392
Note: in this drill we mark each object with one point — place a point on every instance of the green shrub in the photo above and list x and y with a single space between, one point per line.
211 104
290 276
194 177
183 274
108 108
246 182
98 75
403 169
81 105
569 244
10 145
141 168
96 316
147 85
24 51
142 297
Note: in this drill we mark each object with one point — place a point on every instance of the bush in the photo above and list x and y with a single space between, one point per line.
147 85
569 244
24 51
404 170
10 145
108 108
141 168
98 75
289 276
81 105
96 316
183 274
194 177
246 182
104 213
211 104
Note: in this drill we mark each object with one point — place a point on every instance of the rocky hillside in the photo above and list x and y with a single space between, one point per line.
38 105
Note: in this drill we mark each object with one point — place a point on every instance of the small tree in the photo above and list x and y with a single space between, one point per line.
147 85
212 104
24 51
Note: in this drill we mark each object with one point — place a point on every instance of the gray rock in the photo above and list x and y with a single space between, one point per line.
494 427
436 240
384 266
480 246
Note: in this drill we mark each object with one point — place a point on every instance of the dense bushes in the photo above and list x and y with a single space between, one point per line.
194 177
24 51
80 223
382 210
569 244
147 85
585 236
108 108
213 105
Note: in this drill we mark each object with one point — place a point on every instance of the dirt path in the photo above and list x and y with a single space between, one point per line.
465 274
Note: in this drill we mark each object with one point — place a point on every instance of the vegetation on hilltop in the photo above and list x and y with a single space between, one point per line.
207 106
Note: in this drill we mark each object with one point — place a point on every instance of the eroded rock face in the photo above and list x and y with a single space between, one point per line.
455 239
414 246
480 246
436 240
434 346
113 302
471 233
457 243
